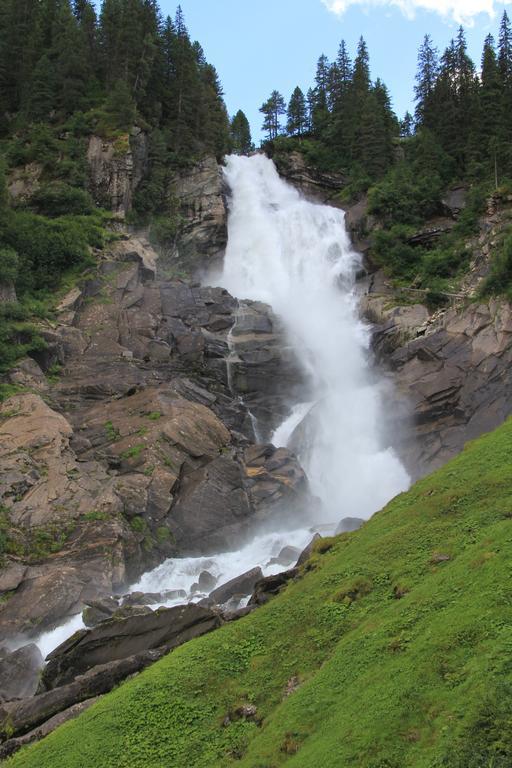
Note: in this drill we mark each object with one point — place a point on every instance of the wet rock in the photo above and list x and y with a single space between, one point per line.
99 610
201 199
19 672
142 598
206 581
21 717
270 586
213 509
239 613
11 746
349 524
276 482
127 611
286 556
241 585
120 638
307 551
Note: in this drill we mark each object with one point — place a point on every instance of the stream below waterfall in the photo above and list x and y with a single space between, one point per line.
296 256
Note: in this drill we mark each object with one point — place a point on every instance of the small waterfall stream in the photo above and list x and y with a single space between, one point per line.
296 256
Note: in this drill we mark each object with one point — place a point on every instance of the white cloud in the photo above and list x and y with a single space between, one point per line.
461 11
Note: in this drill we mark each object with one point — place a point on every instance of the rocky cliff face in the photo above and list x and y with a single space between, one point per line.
116 169
452 369
201 198
140 447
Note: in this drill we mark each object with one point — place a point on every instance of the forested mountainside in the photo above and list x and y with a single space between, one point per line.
130 78
413 174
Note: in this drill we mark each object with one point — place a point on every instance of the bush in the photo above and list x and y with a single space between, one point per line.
403 197
59 199
164 229
18 337
499 280
9 261
392 252
48 248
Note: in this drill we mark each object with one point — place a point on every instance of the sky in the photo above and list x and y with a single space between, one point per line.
261 45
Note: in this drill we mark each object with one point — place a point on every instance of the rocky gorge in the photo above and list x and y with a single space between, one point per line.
133 436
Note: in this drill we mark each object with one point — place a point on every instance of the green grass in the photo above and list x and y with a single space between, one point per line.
396 645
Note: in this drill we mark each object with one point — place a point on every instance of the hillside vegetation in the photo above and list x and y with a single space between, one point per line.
393 650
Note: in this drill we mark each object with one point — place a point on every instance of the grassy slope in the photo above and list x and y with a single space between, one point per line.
425 680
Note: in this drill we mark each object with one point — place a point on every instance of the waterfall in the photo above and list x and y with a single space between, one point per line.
297 257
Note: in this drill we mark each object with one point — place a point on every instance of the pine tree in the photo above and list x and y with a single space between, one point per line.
310 101
407 126
344 65
490 95
240 133
297 114
426 79
361 75
71 61
505 48
40 96
272 109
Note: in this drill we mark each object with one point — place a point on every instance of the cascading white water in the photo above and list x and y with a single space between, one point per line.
296 256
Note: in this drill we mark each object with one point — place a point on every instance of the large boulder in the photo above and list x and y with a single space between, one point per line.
240 585
19 672
120 638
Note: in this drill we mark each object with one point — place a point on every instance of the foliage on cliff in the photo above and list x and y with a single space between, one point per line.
460 135
393 649
67 73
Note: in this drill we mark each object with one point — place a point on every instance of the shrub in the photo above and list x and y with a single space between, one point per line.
9 261
499 280
59 199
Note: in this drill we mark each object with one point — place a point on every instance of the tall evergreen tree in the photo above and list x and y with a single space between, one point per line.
240 133
272 109
426 78
505 48
297 114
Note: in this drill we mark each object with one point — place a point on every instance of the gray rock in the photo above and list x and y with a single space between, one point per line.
307 551
349 524
271 586
11 746
11 576
206 581
241 585
116 639
286 556
19 672
99 610
17 718
142 598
